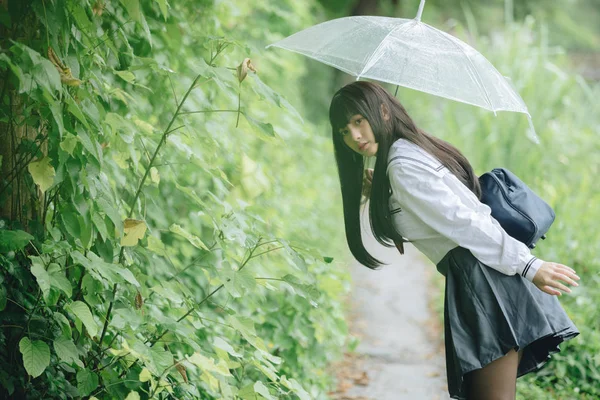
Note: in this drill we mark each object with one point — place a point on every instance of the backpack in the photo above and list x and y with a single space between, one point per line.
520 212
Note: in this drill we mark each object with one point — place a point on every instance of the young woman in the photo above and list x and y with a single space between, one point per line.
502 318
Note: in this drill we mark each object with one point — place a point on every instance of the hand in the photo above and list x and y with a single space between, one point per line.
367 180
549 274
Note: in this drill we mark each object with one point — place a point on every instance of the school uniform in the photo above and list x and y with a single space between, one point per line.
490 303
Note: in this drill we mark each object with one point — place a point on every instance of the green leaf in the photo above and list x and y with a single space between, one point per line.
309 292
237 282
58 279
66 350
261 389
195 240
223 345
298 261
69 142
134 10
90 144
265 92
36 356
74 109
163 5
157 246
3 297
328 260
87 382
81 311
264 131
127 76
42 173
13 240
64 324
41 275
56 109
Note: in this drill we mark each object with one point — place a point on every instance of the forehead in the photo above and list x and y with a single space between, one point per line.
352 119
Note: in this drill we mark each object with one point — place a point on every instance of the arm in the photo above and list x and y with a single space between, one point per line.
469 224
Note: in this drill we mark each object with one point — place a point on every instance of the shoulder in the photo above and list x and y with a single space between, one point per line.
406 157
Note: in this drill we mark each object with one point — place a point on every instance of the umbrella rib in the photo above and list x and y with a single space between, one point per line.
478 78
379 46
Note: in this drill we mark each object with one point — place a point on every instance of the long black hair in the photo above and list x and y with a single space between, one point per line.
368 99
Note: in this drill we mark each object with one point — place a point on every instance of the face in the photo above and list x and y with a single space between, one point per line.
357 135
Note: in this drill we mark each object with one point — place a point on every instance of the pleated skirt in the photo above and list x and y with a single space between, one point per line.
488 313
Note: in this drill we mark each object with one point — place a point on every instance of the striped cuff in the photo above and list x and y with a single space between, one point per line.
531 268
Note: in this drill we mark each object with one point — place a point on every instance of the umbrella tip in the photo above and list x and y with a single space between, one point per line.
531 131
420 12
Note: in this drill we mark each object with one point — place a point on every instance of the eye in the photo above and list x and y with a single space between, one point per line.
358 121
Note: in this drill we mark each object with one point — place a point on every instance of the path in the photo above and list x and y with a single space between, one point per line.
400 356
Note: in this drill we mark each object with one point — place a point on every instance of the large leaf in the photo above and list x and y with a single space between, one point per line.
81 311
58 279
87 381
41 275
36 356
65 350
42 173
13 240
309 292
237 283
133 229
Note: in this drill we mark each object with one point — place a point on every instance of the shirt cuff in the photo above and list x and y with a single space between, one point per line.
531 268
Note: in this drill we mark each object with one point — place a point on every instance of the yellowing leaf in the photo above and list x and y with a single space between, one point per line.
154 175
42 173
143 125
69 142
242 69
134 230
133 396
145 375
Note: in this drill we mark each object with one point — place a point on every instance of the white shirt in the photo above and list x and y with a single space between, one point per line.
433 209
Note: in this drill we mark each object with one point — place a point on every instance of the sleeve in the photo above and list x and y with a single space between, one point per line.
423 190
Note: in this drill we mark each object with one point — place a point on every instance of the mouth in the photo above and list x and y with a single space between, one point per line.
363 146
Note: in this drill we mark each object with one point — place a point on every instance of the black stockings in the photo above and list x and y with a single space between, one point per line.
495 381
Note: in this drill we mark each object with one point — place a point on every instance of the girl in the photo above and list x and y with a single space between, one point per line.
502 318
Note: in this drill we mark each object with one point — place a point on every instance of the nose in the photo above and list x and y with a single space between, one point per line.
355 132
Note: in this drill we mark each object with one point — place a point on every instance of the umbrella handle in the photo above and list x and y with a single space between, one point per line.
420 12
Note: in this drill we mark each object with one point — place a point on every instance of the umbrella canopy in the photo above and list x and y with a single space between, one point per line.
409 53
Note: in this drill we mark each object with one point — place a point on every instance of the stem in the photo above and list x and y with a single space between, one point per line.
239 105
207 111
137 193
153 341
107 316
268 251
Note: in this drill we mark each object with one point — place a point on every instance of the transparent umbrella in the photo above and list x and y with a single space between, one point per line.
409 53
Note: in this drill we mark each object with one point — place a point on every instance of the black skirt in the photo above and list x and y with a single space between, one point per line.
488 313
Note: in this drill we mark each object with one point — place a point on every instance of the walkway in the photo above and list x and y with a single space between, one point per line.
401 350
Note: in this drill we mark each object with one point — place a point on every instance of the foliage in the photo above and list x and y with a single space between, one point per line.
174 246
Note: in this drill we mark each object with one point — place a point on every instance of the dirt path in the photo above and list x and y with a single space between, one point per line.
401 353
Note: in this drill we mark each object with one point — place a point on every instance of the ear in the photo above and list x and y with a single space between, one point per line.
385 112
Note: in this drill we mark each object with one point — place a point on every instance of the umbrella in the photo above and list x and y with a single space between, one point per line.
409 53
